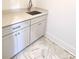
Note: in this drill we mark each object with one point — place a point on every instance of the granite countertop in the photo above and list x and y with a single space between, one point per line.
10 17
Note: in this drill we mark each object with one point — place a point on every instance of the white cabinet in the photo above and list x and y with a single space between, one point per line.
15 42
23 39
9 46
15 27
18 36
38 27
37 30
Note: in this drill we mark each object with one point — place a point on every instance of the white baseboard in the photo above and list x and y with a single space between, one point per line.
62 44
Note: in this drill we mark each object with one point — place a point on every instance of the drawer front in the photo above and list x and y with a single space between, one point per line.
38 19
15 27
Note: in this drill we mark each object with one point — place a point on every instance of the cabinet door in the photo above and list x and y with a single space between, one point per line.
14 43
9 46
37 30
23 38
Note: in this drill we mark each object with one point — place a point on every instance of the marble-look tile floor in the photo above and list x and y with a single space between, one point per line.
44 49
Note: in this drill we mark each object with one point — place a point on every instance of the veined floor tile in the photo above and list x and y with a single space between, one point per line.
44 49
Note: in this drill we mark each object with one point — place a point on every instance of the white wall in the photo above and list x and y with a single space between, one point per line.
61 22
61 19
14 4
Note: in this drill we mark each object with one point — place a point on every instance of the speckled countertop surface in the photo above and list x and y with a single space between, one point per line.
10 17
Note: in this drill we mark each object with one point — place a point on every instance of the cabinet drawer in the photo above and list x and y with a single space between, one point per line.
40 18
15 27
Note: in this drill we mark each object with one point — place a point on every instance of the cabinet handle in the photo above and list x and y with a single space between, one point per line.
15 34
16 27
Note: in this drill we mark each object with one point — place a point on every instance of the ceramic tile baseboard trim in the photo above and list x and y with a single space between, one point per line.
61 44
